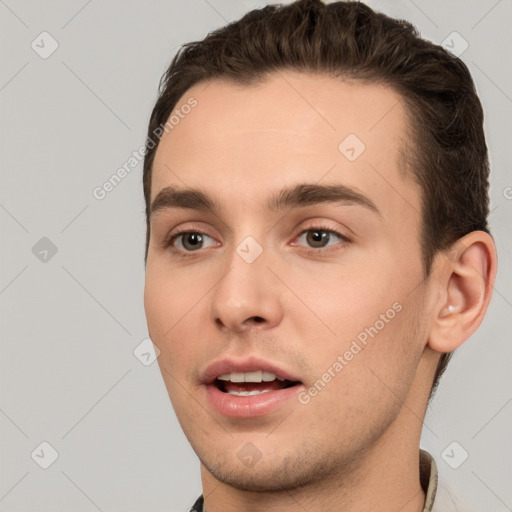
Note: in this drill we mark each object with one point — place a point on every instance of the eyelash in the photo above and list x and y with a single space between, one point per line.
310 250
325 229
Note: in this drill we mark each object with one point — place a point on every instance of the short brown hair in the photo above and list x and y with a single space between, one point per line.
350 40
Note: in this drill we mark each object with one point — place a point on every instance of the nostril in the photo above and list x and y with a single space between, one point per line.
258 319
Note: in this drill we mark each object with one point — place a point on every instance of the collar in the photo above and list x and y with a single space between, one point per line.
428 480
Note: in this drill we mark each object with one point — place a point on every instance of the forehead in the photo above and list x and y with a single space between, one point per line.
291 127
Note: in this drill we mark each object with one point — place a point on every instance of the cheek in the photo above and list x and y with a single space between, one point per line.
350 303
168 298
167 309
369 385
166 312
377 339
176 307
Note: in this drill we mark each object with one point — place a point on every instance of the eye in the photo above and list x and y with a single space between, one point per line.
190 241
320 237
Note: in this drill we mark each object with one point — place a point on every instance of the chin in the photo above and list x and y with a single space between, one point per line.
258 480
276 473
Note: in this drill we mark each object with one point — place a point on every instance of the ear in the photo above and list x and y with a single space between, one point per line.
467 272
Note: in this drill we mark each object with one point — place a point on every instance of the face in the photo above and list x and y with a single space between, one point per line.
286 295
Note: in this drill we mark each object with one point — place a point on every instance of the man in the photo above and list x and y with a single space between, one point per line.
316 183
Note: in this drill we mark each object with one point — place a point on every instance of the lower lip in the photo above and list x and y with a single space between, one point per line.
251 406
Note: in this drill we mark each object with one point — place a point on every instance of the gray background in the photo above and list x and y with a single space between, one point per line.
71 322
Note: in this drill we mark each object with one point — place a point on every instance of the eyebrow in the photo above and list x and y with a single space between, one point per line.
300 195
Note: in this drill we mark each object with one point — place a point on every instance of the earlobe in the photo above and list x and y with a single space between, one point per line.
466 273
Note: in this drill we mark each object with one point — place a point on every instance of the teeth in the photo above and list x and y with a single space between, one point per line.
257 376
253 376
248 393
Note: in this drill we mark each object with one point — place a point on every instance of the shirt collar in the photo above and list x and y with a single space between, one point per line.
428 479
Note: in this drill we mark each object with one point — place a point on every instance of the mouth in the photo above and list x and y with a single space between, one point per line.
251 383
250 388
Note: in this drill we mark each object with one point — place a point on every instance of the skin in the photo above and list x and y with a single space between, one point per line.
241 144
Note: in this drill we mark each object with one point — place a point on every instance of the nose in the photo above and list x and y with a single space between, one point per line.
247 297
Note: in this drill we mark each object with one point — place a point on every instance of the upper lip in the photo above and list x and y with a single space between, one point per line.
250 364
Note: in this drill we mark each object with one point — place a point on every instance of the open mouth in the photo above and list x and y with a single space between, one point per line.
251 383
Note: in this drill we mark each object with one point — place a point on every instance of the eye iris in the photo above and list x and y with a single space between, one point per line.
195 239
318 237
